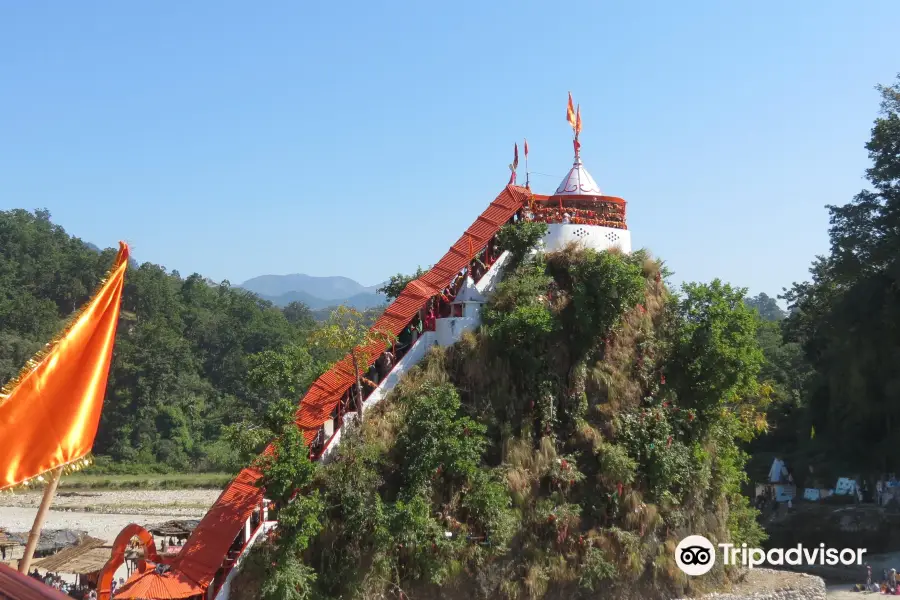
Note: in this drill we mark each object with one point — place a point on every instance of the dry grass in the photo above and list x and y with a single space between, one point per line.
588 435
536 581
479 375
611 380
526 465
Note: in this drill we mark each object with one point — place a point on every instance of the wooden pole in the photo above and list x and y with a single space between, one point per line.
35 534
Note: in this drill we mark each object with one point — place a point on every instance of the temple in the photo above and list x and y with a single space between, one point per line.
435 309
579 212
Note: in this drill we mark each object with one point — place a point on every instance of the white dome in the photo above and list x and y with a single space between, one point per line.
578 182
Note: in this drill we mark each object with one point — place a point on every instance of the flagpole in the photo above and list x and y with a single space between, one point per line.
35 534
527 174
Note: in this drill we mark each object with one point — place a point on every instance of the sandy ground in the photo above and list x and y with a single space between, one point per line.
765 580
842 592
139 502
104 514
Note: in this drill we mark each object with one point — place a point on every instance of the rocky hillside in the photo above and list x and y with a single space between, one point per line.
560 452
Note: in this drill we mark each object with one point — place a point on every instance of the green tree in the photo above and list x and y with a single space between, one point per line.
299 315
279 378
346 333
846 317
182 359
394 286
288 480
716 359
766 306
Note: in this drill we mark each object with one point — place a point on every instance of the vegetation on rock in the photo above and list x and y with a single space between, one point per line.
561 451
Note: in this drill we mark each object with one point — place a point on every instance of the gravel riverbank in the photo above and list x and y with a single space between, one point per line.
103 514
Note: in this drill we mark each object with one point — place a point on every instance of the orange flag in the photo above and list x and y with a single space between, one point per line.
49 414
570 112
578 120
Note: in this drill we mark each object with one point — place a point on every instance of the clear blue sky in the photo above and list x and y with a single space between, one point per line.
237 139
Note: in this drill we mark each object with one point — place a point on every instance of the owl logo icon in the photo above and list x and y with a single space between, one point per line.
695 555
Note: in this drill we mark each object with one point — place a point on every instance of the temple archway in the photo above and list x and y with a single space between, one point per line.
123 540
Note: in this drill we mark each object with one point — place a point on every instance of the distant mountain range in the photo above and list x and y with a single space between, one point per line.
315 292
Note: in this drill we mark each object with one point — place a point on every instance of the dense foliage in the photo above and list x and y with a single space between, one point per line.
561 451
188 353
847 319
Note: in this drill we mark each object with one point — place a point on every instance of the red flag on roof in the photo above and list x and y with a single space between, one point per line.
526 148
516 157
570 112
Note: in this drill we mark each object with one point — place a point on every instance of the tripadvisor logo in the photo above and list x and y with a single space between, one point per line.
695 555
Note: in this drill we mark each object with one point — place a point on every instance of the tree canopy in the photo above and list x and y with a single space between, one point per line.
188 351
846 318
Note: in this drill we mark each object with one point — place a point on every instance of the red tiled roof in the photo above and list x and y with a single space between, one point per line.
202 555
168 585
323 396
16 586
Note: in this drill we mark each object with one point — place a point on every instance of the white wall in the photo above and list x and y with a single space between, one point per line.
488 282
592 236
409 360
450 329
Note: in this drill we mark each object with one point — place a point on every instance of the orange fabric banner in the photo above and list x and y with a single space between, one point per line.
570 112
49 416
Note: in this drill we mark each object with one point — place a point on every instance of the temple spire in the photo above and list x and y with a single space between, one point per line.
578 181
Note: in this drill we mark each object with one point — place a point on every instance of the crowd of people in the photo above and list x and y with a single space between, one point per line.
438 306
82 591
607 217
889 584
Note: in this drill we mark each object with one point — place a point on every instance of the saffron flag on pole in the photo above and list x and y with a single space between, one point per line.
50 412
570 112
516 157
578 120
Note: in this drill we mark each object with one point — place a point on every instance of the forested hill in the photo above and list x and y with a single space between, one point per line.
185 349
191 357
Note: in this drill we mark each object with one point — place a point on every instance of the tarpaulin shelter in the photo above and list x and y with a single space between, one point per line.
178 528
51 540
